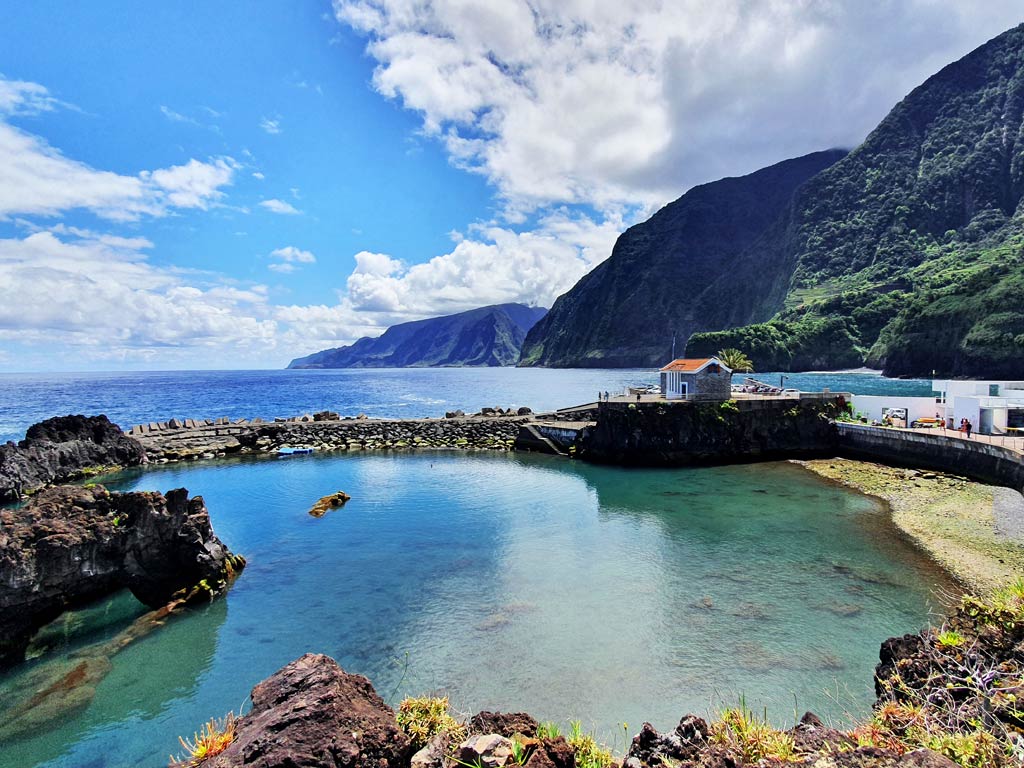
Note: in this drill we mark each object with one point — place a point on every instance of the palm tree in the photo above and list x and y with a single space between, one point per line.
736 360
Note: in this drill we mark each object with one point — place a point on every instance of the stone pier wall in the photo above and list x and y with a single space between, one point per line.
194 439
989 463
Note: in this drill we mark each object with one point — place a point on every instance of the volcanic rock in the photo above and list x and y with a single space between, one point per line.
312 714
70 545
61 449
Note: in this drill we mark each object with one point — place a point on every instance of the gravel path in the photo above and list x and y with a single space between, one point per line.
1008 511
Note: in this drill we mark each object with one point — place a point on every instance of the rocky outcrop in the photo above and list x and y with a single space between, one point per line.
62 449
506 724
312 714
70 545
680 432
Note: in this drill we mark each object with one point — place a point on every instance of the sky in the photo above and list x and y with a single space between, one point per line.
194 185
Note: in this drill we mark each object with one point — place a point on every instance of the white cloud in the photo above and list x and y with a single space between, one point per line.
177 117
583 101
280 206
114 299
288 259
273 127
37 179
18 97
258 175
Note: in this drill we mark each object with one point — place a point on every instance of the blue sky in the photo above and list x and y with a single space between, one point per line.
233 184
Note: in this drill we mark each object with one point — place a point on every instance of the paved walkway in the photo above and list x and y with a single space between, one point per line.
1008 510
1003 441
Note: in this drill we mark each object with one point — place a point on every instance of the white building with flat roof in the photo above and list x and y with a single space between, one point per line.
992 407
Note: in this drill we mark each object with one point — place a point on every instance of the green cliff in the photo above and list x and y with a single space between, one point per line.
905 255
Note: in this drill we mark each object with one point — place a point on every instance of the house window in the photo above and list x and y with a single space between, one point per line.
993 390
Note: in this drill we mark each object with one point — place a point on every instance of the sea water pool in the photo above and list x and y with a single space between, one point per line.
511 582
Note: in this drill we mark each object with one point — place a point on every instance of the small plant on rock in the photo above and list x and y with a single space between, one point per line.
751 737
212 739
424 718
548 730
588 753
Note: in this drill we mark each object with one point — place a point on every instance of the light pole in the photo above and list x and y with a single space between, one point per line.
782 382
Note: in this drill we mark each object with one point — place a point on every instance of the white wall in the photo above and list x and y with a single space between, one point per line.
917 407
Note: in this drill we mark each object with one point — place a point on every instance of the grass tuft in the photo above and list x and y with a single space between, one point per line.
212 739
426 717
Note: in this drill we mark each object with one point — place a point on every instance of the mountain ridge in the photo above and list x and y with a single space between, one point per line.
485 336
906 254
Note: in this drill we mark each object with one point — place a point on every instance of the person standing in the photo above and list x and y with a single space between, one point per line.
968 427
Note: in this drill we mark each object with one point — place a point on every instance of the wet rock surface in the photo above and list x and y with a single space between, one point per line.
61 449
72 544
312 714
329 502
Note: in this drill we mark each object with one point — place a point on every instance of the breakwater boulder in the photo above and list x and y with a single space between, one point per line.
207 439
313 714
676 433
71 544
61 449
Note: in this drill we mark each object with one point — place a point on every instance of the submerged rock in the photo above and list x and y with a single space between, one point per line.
70 545
61 449
329 502
313 714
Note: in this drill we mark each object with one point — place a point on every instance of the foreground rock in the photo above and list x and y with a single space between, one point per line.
70 545
61 449
312 714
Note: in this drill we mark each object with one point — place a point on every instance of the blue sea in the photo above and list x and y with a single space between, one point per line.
506 581
133 398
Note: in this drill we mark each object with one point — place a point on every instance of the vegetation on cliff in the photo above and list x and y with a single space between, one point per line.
907 254
488 336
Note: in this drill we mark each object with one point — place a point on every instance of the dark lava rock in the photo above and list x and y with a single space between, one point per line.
552 753
506 724
925 758
71 544
811 735
902 657
686 742
524 411
312 714
59 449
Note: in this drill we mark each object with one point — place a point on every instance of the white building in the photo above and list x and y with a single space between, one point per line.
992 407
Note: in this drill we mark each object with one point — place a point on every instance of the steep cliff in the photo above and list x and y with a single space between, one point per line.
699 263
488 336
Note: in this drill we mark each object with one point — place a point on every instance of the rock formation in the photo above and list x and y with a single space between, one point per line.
329 502
62 449
488 336
312 714
70 545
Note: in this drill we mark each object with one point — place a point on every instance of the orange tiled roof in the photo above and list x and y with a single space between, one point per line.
690 365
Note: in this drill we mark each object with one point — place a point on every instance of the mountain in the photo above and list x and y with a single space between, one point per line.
485 336
666 275
907 254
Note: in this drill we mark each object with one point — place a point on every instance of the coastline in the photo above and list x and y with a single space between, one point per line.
951 518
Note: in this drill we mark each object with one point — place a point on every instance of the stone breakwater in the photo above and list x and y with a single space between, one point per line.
184 440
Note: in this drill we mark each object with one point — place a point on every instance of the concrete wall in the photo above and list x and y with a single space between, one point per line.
990 463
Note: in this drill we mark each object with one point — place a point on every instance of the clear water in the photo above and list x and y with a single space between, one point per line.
133 398
511 582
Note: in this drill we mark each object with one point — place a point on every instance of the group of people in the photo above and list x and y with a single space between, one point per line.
966 427
602 396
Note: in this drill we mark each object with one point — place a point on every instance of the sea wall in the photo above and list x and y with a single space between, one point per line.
186 440
990 463
678 433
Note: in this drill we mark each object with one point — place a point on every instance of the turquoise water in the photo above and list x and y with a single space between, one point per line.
512 582
133 398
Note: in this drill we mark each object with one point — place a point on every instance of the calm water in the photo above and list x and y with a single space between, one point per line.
132 398
512 582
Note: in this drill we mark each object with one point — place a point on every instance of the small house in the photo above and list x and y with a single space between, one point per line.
705 378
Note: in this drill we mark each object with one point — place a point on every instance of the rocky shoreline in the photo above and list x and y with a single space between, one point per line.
70 545
951 518
946 697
